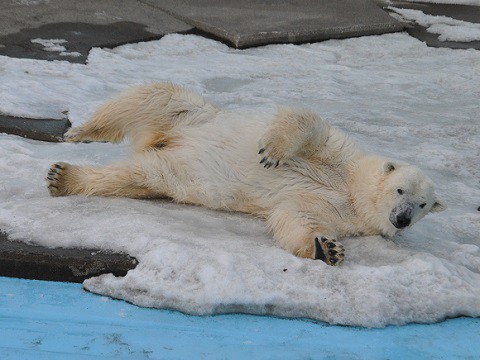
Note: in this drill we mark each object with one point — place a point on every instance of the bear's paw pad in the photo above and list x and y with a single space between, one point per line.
329 251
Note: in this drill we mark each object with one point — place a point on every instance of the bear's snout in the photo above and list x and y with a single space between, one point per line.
401 219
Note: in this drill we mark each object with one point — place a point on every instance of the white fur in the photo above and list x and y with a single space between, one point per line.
317 182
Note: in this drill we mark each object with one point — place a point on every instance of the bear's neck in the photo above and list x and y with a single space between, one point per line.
365 175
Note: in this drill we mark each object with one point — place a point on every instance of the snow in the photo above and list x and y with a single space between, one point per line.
393 94
448 29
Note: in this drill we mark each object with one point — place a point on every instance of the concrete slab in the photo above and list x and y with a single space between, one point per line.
21 260
459 12
254 22
83 24
50 130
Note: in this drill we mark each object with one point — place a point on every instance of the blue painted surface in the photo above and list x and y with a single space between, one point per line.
49 320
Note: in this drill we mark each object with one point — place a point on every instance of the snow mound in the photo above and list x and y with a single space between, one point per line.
393 94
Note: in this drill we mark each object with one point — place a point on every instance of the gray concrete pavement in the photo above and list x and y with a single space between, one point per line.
16 15
108 23
247 23
83 24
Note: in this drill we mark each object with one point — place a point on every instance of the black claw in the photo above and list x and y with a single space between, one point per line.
331 245
278 162
58 166
263 160
49 178
332 252
333 260
324 239
319 254
261 151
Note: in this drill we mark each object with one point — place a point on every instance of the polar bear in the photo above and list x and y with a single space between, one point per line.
308 180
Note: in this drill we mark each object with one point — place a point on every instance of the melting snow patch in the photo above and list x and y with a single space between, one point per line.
55 45
447 28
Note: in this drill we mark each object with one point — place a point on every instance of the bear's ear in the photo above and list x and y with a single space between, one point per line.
388 167
438 205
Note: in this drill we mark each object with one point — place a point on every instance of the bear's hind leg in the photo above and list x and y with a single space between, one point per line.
145 115
121 179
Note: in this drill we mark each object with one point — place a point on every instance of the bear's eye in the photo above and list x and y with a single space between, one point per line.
423 205
400 191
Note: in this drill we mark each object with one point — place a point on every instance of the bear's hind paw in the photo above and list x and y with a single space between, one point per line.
329 251
56 179
76 135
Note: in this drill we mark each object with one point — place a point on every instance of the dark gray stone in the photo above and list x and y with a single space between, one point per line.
51 130
242 24
21 260
84 24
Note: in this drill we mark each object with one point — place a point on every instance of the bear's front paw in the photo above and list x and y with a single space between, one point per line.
56 179
271 154
329 251
267 161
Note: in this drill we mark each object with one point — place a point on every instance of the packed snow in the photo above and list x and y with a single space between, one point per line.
393 94
447 28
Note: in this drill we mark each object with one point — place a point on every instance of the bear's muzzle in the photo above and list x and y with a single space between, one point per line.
401 217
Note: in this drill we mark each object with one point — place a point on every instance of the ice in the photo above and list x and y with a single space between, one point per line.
447 28
393 94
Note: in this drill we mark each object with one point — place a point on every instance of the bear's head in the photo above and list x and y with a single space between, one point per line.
396 195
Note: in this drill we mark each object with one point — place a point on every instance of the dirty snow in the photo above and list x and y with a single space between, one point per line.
393 94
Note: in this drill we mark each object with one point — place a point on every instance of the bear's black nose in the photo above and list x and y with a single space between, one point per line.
403 220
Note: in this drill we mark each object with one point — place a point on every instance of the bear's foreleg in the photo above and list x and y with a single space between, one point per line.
301 234
292 133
